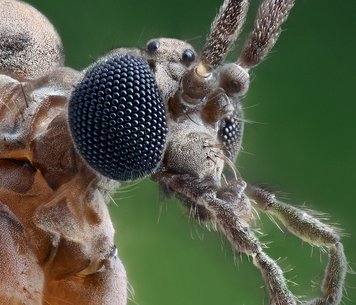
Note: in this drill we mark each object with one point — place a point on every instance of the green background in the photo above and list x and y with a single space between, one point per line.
302 99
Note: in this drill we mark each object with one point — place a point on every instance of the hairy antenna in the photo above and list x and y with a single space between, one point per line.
271 15
224 31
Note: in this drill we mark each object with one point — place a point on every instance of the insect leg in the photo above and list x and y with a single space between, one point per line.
223 207
312 230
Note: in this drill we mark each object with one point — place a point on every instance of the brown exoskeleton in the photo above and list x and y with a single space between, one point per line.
56 234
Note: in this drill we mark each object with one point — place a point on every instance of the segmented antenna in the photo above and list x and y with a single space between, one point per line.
224 31
271 15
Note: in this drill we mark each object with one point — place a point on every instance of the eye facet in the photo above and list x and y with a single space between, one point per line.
188 56
117 118
152 46
230 134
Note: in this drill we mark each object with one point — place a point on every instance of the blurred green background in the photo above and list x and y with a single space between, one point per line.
302 99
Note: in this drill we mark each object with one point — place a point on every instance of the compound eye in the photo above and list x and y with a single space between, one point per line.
152 46
188 56
117 118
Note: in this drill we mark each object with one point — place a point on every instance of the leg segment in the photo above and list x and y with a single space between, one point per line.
313 231
227 208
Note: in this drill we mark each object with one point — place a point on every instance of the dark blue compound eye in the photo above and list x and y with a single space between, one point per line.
117 118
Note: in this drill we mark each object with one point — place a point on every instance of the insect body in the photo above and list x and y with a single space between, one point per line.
163 111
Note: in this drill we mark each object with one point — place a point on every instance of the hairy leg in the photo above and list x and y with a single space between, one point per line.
227 210
313 231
